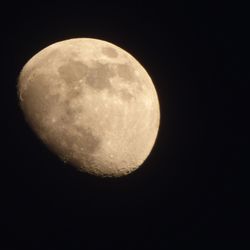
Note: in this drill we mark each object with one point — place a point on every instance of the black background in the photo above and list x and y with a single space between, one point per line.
188 191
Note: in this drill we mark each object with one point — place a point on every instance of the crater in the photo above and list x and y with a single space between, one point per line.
110 52
99 76
73 71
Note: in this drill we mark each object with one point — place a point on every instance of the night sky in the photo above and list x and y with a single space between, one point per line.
188 192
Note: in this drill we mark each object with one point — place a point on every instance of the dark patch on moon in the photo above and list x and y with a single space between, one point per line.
64 142
70 113
83 139
125 71
87 140
73 71
110 52
74 90
99 76
125 95
64 145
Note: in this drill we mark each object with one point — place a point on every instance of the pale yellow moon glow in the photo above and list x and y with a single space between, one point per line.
92 103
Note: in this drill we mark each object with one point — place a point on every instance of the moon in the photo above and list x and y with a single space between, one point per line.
92 103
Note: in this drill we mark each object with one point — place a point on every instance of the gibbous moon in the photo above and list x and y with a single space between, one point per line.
92 104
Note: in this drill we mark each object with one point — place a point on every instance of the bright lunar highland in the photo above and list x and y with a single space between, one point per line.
92 104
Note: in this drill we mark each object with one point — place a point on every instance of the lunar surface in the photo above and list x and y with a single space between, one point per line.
92 104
